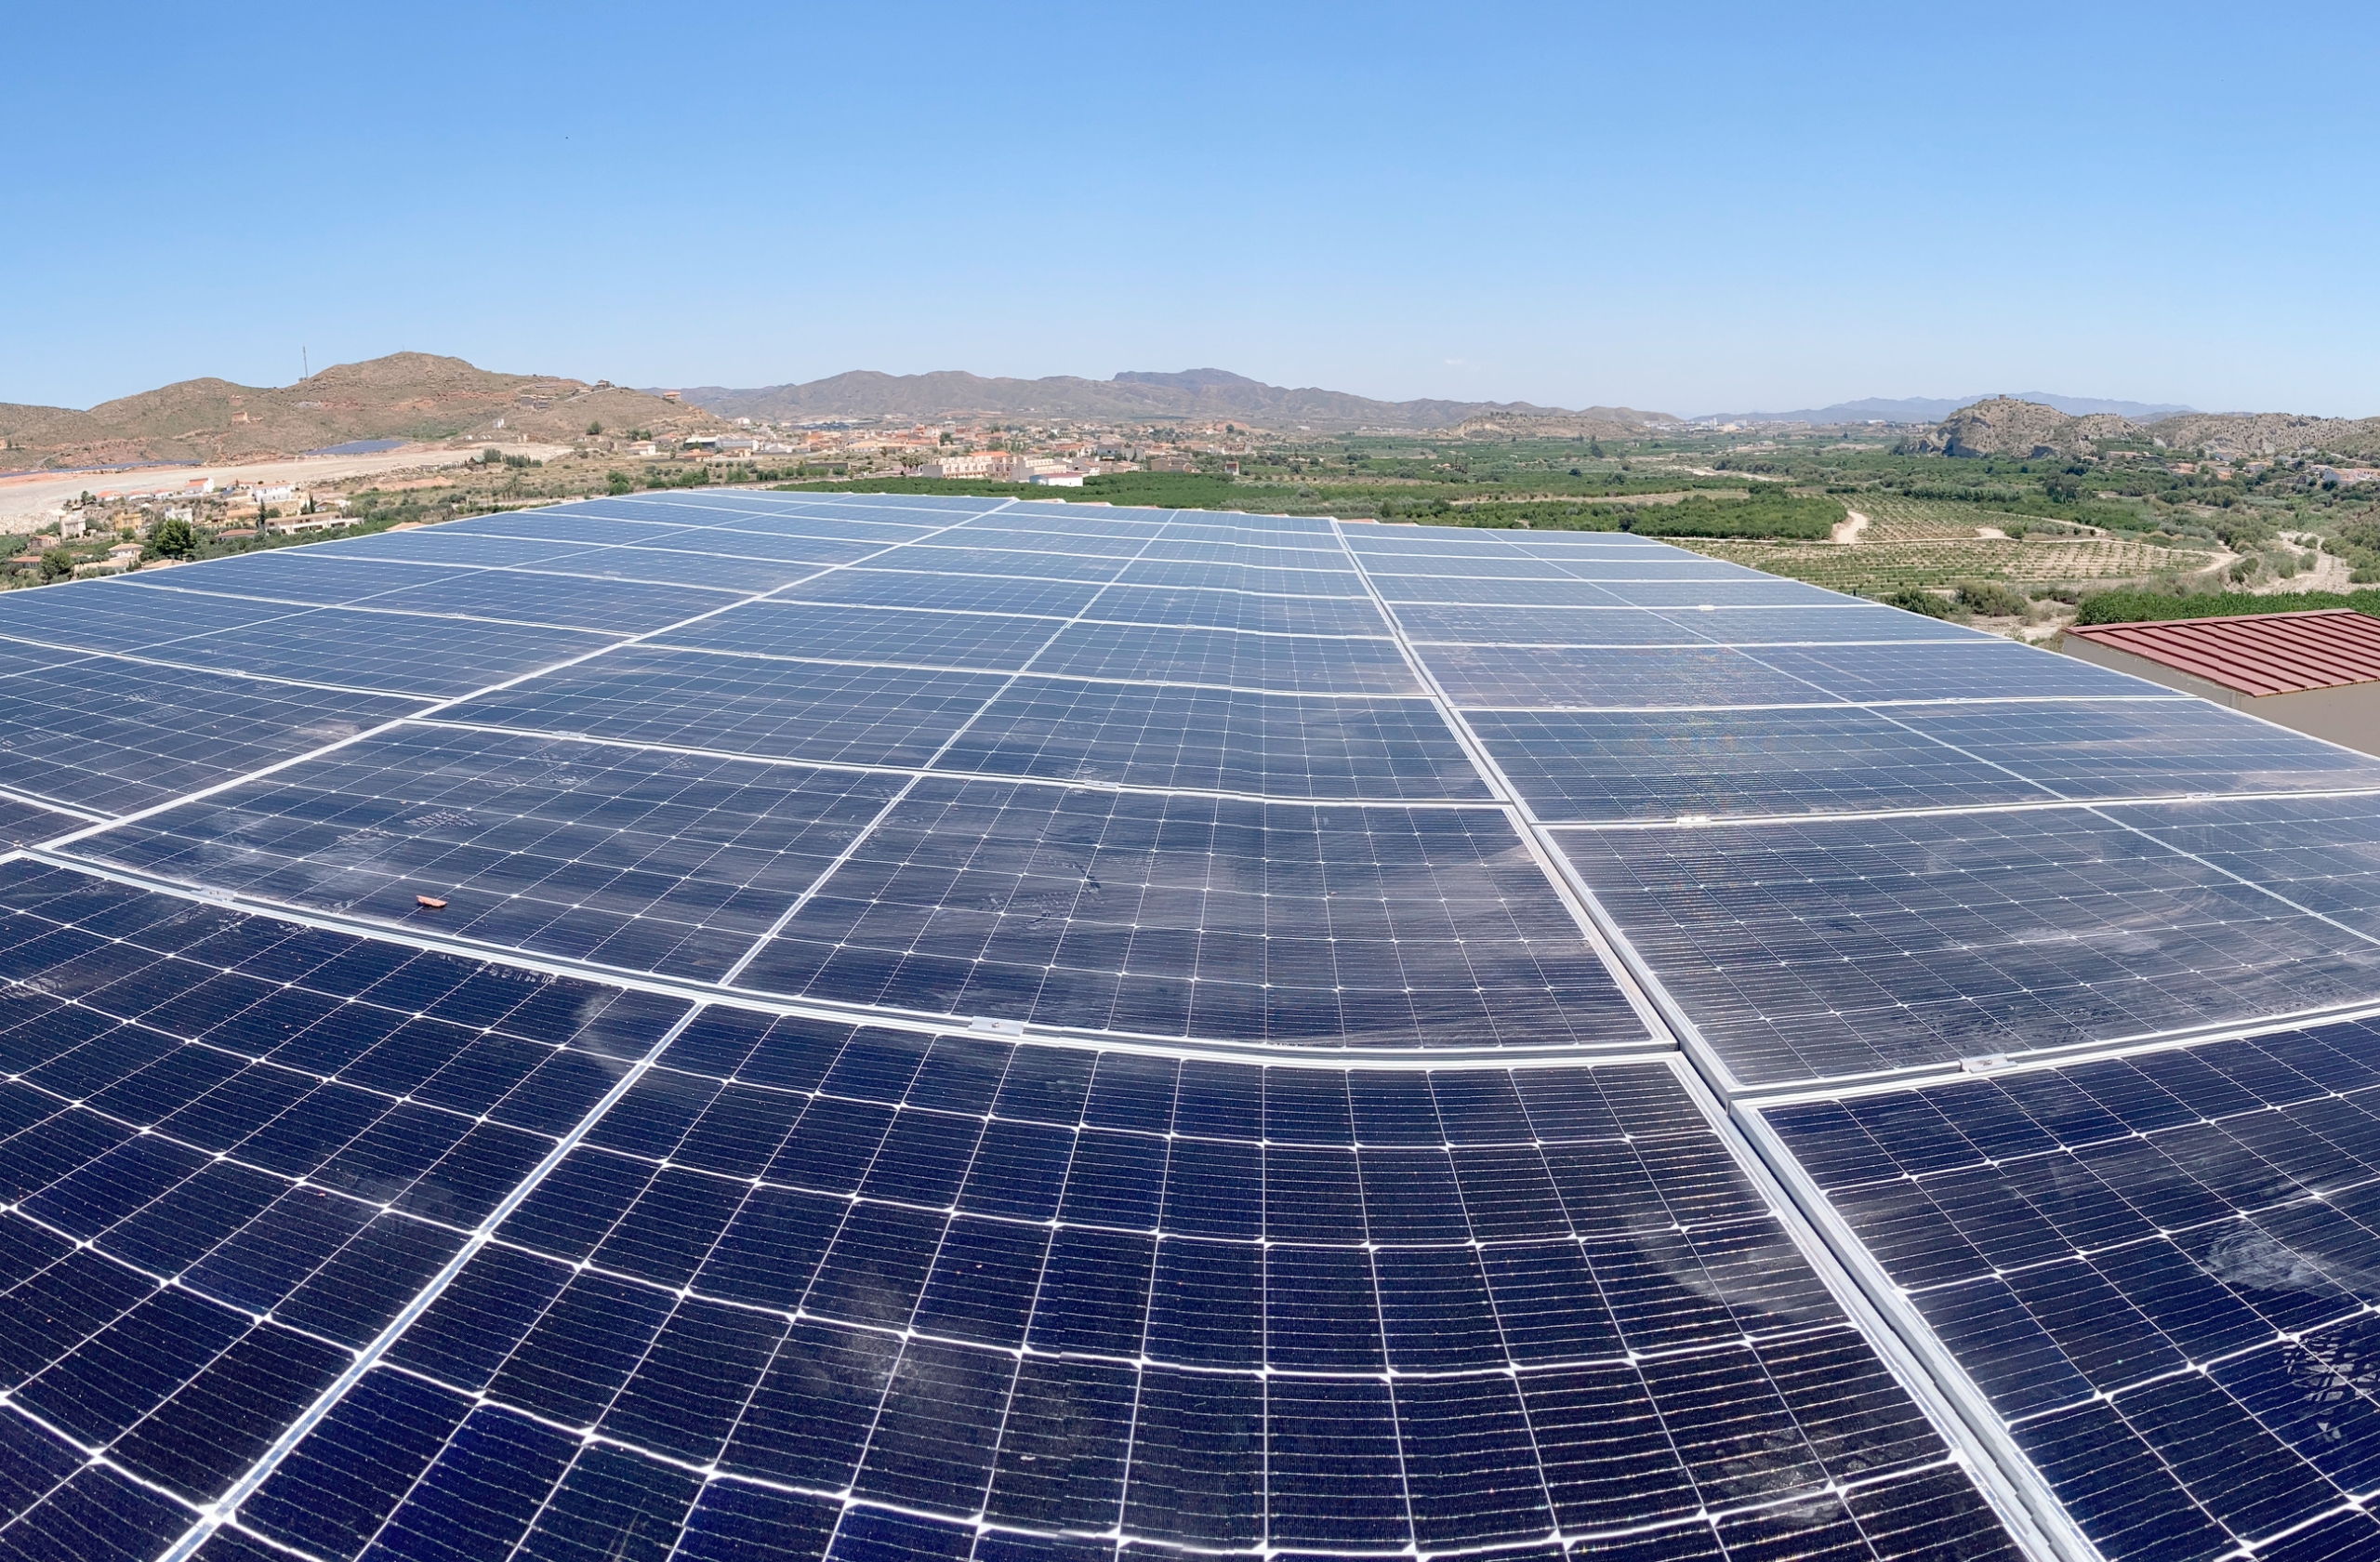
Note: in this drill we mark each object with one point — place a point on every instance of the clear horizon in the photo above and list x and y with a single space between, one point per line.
1726 209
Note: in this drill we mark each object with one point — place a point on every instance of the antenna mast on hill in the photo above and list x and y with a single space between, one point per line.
306 364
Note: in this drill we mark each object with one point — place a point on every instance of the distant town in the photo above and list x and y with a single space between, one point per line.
1056 454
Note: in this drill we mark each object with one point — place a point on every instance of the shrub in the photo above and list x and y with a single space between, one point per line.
1908 599
2139 607
1995 599
1767 511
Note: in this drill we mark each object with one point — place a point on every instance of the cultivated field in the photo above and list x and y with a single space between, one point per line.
1877 563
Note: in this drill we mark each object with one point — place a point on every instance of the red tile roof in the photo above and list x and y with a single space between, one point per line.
2262 654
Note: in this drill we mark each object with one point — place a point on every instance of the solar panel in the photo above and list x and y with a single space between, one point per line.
868 1278
727 1024
1843 947
2157 1267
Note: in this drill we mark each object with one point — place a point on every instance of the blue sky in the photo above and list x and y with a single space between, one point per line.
1684 208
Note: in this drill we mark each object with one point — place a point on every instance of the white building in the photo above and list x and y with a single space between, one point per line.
982 463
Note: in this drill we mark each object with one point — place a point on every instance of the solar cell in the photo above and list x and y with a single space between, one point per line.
618 856
2315 852
1641 765
1216 740
895 637
118 615
958 593
1120 547
1978 667
1836 625
22 823
380 653
1606 623
1612 678
307 577
678 567
1175 915
948 558
575 525
444 545
829 711
1295 664
740 526
1740 592
233 1151
113 736
1194 607
561 600
1224 575
1321 554
1483 624
2130 748
1622 569
1538 591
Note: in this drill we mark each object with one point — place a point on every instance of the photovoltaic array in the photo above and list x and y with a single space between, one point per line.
748 1025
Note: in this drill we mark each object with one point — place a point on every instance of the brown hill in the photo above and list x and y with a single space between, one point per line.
404 395
1211 395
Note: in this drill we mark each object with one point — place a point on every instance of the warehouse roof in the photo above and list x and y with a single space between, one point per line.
2257 654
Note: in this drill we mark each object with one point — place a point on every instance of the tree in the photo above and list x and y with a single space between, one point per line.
618 483
56 565
594 427
172 539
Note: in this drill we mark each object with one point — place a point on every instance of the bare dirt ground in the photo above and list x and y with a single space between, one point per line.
29 503
1846 531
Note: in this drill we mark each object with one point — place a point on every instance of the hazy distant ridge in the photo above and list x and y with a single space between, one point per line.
1932 409
1215 394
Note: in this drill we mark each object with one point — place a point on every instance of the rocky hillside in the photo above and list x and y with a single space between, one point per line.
2004 425
2271 433
1599 423
1215 395
405 395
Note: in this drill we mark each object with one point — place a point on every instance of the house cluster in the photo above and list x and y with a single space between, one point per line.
1006 466
1048 454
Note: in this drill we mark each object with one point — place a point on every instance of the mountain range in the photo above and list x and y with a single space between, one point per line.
404 395
420 396
1932 409
1215 395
